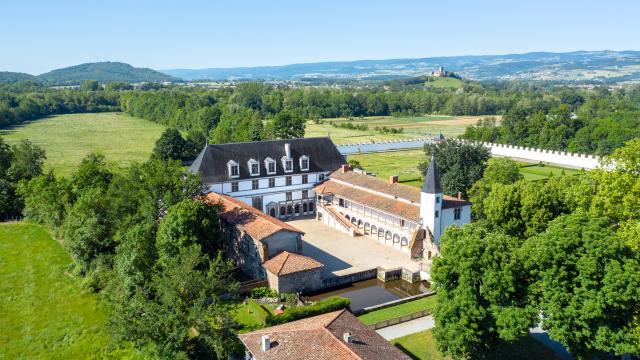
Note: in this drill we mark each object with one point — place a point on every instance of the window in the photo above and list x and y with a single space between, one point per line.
234 186
256 202
272 182
304 163
270 164
254 167
320 177
341 202
305 194
288 180
289 196
254 184
437 213
234 169
287 164
456 213
305 179
437 199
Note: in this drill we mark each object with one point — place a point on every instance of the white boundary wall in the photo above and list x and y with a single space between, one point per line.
574 160
563 158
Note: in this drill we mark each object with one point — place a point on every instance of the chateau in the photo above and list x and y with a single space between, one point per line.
259 184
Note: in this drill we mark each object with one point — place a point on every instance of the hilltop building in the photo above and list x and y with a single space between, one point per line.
334 335
441 72
276 177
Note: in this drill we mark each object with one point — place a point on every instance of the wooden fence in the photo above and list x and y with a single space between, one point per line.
399 320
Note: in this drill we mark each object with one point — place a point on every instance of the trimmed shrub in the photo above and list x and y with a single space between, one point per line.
301 312
263 292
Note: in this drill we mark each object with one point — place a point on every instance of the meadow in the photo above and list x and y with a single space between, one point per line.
67 139
404 163
44 311
412 127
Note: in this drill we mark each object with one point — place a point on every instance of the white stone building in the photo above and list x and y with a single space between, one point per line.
394 214
276 177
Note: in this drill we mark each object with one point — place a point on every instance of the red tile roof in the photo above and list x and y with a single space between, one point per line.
247 218
402 200
288 263
321 338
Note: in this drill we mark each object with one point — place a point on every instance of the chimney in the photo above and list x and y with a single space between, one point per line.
266 344
393 179
345 168
460 195
287 150
347 338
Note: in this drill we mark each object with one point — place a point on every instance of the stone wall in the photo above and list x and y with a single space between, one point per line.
303 281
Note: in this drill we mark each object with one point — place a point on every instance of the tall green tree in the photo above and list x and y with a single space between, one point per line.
499 171
287 125
586 285
172 146
482 292
460 164
27 161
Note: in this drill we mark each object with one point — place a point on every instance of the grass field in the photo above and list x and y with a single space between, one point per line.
44 313
533 172
399 310
444 82
250 315
413 126
68 138
402 163
422 346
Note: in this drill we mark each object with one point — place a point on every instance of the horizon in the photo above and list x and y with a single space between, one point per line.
201 34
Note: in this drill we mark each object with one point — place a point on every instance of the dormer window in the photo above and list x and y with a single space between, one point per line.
287 164
270 164
304 163
234 169
254 167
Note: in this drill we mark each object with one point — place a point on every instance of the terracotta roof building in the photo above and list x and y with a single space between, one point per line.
390 212
336 335
290 272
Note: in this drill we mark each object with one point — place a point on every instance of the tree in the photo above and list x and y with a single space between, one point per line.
460 164
92 172
287 125
27 161
45 199
586 283
6 155
482 291
237 125
90 85
190 222
172 146
499 171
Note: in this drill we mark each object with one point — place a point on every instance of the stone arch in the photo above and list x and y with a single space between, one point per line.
396 238
359 224
354 220
296 209
305 207
387 235
289 209
311 207
367 227
348 217
283 211
374 230
380 232
404 241
272 212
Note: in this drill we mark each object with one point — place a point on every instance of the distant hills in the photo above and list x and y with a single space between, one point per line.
572 67
101 71
580 66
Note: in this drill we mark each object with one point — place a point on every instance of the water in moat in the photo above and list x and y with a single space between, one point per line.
373 292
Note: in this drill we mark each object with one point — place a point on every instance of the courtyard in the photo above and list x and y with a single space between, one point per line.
342 254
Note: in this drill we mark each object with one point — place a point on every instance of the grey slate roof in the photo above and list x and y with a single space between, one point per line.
432 179
212 160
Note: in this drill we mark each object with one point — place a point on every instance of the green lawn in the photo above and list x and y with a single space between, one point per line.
413 126
44 312
402 163
537 172
249 315
444 82
69 138
422 346
399 310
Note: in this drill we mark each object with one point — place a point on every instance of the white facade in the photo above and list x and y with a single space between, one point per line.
279 196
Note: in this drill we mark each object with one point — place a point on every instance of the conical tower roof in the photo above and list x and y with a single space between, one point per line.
432 179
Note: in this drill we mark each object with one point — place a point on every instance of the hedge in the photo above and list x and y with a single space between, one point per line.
301 312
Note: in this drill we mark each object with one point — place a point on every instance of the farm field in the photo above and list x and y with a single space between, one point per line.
44 312
422 346
413 126
402 163
69 138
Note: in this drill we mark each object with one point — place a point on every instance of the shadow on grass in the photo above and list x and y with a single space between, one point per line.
406 351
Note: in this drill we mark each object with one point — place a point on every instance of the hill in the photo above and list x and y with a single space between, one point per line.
9 77
103 72
580 66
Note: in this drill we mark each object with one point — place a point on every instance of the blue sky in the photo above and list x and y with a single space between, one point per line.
38 36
